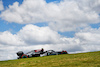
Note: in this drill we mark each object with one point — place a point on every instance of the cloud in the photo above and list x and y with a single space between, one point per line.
6 38
88 5
1 5
89 39
31 11
38 35
32 37
63 16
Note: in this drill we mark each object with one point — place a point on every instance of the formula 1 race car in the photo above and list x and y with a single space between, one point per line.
38 53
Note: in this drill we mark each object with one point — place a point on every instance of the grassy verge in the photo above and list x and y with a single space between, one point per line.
91 59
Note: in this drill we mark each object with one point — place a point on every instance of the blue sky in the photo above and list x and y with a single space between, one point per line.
12 27
6 3
95 25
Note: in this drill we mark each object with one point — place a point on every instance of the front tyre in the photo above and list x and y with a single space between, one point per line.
24 56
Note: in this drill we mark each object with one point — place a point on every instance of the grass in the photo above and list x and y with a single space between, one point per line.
91 59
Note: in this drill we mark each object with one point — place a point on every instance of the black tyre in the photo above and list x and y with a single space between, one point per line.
64 52
24 56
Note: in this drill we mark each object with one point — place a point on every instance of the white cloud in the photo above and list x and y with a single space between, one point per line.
31 11
7 38
64 16
88 5
1 5
32 37
38 35
89 39
89 36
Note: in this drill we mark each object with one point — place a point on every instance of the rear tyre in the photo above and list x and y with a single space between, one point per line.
64 52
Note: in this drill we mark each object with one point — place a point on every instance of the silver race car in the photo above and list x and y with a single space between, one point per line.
39 53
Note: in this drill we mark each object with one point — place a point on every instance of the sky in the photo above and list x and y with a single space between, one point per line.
71 25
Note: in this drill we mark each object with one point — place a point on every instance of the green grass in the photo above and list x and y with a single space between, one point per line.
91 59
